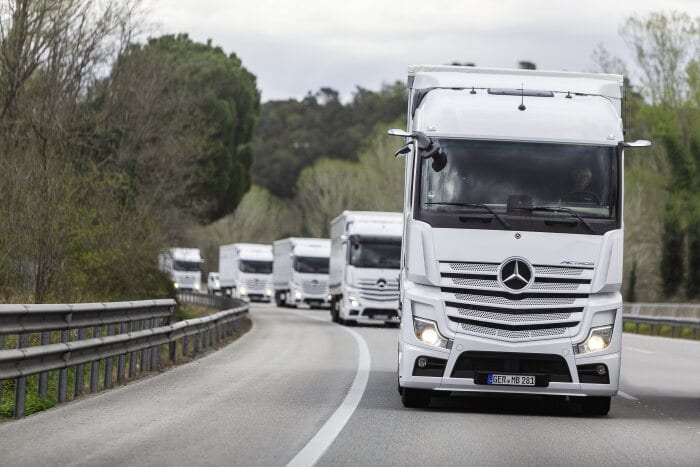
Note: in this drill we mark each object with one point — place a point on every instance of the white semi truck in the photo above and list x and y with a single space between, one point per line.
512 253
300 272
245 271
183 266
364 270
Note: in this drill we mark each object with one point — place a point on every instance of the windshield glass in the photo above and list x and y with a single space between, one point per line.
255 267
311 265
187 265
375 253
578 177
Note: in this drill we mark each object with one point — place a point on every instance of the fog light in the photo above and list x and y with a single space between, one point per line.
268 292
427 332
422 362
176 285
297 295
601 370
243 291
354 303
598 339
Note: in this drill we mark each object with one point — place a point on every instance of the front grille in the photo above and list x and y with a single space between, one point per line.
470 364
256 284
478 304
315 287
379 290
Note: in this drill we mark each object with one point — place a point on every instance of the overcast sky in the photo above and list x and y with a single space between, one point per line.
298 46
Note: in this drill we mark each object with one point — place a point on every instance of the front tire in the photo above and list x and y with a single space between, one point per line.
415 398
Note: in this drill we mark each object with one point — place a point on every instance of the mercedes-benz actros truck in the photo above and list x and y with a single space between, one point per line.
300 272
183 266
245 271
513 233
364 272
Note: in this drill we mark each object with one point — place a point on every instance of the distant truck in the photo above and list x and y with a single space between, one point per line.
300 271
183 266
214 283
364 269
245 271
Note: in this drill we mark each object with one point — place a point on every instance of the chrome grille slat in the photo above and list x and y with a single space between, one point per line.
525 302
513 318
513 335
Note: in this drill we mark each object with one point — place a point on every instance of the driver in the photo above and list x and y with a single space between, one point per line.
581 178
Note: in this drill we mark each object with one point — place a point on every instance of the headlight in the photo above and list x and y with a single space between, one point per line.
354 303
297 295
598 339
196 286
176 285
268 292
243 291
427 332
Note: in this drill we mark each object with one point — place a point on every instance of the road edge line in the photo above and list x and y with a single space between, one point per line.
324 437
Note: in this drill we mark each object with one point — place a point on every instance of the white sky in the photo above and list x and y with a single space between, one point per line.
298 46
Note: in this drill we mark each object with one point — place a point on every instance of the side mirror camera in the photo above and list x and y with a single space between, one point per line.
640 143
428 148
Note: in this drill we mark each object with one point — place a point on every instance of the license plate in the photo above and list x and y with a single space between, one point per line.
510 380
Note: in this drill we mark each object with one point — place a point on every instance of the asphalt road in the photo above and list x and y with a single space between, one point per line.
297 387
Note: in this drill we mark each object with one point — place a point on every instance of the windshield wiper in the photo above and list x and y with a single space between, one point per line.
479 205
567 210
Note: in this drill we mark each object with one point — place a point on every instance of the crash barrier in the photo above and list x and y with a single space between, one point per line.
654 325
678 310
84 340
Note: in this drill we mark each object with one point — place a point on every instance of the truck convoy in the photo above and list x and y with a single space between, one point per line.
364 269
300 272
245 271
513 235
183 266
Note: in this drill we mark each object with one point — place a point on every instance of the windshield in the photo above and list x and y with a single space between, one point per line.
187 265
255 267
510 174
384 254
309 264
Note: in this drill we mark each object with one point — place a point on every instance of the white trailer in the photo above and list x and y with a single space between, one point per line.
364 270
183 266
245 271
300 271
512 254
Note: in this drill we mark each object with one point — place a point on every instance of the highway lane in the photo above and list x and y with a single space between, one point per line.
262 399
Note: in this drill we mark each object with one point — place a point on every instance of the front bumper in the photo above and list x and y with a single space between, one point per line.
370 311
408 354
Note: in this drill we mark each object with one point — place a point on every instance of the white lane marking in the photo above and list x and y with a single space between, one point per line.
629 397
319 444
627 347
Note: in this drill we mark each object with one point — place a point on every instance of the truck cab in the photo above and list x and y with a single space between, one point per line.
513 236
245 271
300 272
365 259
183 266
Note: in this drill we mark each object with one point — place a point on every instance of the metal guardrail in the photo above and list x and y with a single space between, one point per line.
59 337
679 310
655 323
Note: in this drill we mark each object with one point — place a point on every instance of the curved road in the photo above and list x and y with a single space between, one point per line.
297 383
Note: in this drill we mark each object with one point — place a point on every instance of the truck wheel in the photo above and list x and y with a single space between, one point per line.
278 300
595 406
334 311
415 398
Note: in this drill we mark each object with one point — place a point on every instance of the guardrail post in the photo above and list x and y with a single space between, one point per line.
133 356
80 369
145 354
185 345
197 338
121 360
44 377
95 364
172 351
108 363
636 327
695 333
2 346
156 350
21 382
63 372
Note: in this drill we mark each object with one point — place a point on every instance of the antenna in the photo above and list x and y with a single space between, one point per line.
522 97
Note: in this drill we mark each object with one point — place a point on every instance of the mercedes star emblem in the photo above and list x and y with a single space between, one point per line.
515 274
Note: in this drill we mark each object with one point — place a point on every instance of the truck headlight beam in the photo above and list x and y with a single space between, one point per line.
427 332
598 339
